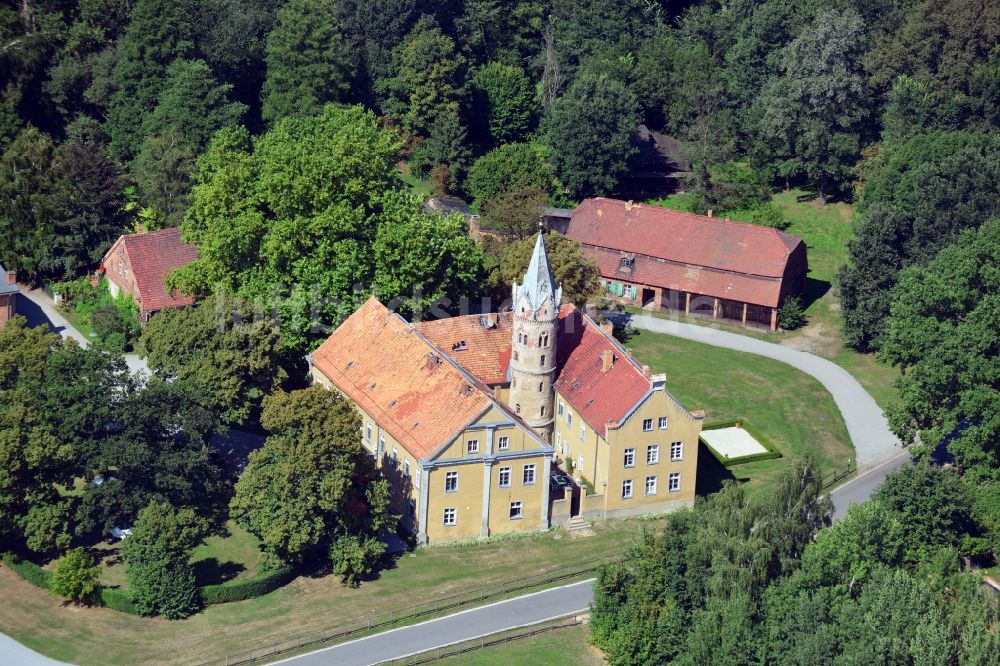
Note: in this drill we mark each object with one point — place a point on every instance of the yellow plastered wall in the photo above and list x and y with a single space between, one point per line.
467 500
681 427
530 496
590 448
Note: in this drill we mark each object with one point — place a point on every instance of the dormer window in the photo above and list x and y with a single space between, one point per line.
626 263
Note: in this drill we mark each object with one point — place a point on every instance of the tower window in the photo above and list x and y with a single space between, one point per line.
543 410
514 383
517 408
543 359
540 385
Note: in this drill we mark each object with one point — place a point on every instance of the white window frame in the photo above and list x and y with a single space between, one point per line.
627 489
647 429
519 507
406 467
628 459
416 479
677 447
472 446
674 482
652 454
503 443
452 514
504 471
395 453
663 423
569 418
368 432
529 471
562 408
650 485
448 478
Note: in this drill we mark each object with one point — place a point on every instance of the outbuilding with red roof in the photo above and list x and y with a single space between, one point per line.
138 265
700 265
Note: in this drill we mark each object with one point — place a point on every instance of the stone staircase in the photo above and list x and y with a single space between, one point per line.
576 524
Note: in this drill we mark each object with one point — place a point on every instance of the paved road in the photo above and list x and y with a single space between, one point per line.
456 628
36 306
13 653
873 442
861 487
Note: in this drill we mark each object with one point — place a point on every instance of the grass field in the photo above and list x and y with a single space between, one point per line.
787 406
560 647
102 636
421 188
826 231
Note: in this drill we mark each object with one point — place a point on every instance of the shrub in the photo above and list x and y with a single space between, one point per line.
117 599
770 215
790 314
515 166
29 571
247 589
76 576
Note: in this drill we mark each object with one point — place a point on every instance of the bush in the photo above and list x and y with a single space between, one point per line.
117 599
76 576
515 166
29 571
247 589
790 314
770 215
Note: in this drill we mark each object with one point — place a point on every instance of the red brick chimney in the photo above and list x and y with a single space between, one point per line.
11 277
607 360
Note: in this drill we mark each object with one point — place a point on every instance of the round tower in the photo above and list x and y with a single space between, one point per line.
533 354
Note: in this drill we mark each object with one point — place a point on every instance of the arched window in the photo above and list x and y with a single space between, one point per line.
543 359
543 410
540 384
514 383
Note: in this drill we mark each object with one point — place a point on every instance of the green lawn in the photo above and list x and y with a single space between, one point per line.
788 407
560 647
826 231
308 604
421 188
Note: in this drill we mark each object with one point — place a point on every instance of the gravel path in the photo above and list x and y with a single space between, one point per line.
873 442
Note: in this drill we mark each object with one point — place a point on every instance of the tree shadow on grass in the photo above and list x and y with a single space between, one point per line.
210 571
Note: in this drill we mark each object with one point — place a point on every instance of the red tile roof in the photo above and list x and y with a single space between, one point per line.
599 397
685 277
682 237
152 256
479 343
405 383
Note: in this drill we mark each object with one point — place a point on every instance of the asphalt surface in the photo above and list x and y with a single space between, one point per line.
36 306
457 628
860 488
874 443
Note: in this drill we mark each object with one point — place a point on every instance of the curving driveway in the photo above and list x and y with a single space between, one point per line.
874 443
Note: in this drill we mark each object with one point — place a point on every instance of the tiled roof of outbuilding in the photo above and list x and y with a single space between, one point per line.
152 255
479 343
682 237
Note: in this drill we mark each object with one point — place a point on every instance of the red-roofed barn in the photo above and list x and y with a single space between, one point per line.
138 264
667 260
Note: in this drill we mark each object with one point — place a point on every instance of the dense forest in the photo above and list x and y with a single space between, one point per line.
293 142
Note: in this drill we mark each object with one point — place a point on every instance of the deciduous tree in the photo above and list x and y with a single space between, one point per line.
578 275
77 576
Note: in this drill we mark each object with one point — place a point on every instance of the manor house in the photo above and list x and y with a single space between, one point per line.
470 417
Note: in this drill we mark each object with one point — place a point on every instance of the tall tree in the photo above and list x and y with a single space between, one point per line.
159 32
297 211
310 61
942 333
578 275
27 185
506 99
222 346
160 577
312 485
427 78
509 168
931 188
814 113
425 261
590 132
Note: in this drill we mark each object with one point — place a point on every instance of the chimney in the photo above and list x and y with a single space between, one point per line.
698 414
11 277
591 310
657 382
629 204
645 371
608 327
607 360
711 212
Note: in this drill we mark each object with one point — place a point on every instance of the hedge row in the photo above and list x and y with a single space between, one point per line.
117 599
770 454
247 589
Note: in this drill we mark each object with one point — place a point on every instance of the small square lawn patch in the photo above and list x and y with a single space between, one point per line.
735 443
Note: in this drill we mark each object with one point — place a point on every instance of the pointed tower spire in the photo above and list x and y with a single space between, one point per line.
538 280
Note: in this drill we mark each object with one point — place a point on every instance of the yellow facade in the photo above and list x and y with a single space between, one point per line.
647 463
463 478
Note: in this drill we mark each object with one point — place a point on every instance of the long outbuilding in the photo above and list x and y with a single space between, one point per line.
699 265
